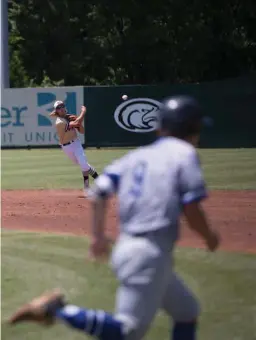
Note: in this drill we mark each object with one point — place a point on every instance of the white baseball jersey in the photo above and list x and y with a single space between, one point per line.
153 183
65 133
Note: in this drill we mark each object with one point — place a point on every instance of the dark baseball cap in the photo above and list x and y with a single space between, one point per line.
182 116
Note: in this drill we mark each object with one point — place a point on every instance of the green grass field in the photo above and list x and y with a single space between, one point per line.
23 169
224 282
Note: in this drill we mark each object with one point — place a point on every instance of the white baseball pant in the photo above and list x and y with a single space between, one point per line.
75 152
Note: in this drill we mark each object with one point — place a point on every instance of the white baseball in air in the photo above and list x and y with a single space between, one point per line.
124 97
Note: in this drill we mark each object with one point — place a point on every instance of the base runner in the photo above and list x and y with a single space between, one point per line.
155 185
67 126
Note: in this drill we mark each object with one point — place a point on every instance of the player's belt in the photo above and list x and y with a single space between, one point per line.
72 141
146 233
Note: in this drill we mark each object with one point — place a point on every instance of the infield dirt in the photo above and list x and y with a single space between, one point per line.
232 213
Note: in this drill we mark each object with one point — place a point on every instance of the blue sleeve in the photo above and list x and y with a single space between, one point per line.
192 185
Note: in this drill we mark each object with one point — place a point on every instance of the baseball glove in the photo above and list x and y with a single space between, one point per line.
69 117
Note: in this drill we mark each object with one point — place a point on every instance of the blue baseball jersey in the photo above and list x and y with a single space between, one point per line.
153 183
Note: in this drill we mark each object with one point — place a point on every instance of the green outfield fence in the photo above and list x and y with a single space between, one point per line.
110 121
231 104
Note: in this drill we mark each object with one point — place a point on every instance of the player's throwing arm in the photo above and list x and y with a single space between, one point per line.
68 126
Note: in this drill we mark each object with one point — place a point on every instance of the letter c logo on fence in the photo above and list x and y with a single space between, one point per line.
137 115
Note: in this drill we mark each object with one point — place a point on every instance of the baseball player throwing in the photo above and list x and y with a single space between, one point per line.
67 126
154 184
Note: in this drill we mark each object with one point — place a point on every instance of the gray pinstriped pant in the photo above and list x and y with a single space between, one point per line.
147 284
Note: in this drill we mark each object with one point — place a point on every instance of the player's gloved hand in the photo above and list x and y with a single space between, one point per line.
70 117
99 248
213 241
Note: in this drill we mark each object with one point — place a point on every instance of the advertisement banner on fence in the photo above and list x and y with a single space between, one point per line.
113 121
25 113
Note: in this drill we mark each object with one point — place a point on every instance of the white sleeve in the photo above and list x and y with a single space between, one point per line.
115 170
108 182
192 185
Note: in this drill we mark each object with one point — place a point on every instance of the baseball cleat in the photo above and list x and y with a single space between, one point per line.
86 193
41 309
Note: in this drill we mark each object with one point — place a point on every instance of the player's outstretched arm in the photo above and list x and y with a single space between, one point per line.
198 222
103 188
193 192
99 246
99 193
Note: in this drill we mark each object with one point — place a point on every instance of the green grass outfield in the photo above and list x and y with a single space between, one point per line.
225 284
50 169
